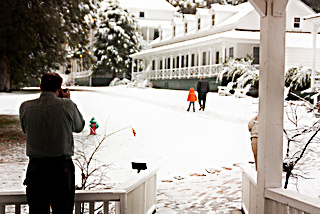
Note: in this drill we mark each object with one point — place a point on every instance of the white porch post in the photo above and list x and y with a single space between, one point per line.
271 86
180 63
171 66
132 69
163 66
210 62
199 63
314 54
138 66
148 34
156 68
189 63
223 52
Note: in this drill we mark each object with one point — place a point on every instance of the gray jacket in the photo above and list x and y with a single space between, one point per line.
48 123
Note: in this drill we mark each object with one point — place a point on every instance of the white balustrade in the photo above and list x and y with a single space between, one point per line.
135 196
278 200
182 73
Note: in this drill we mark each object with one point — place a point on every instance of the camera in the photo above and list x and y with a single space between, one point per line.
64 91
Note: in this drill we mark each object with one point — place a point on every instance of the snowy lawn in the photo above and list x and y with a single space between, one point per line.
198 152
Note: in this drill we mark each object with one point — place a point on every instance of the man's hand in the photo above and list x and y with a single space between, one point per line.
65 93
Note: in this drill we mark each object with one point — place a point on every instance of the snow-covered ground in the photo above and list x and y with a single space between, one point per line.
195 151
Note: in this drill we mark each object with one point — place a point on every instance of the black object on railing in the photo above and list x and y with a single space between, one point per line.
139 166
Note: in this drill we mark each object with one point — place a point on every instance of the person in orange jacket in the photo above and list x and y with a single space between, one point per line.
192 97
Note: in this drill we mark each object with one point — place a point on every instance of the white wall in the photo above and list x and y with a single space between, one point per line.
301 57
244 49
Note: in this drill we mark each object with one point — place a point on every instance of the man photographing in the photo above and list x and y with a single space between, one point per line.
48 123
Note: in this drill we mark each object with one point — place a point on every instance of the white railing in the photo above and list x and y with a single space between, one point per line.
181 73
277 200
135 196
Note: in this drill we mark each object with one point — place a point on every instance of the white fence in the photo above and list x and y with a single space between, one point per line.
135 196
180 73
278 200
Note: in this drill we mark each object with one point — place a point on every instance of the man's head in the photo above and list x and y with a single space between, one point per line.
202 78
50 82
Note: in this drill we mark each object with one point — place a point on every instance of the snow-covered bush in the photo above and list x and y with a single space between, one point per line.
117 81
298 78
114 81
241 71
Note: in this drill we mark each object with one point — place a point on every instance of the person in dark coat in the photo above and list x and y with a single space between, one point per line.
202 89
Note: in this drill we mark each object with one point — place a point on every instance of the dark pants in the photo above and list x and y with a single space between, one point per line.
50 181
202 101
190 106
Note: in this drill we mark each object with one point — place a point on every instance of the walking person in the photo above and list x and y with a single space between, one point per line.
202 89
253 129
48 123
192 97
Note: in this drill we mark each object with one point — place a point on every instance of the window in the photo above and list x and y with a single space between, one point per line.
173 63
174 31
256 51
231 52
204 58
168 64
153 65
213 19
155 33
296 22
187 61
199 24
217 57
141 14
160 64
186 27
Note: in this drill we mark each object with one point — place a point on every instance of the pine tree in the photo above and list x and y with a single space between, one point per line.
117 37
35 35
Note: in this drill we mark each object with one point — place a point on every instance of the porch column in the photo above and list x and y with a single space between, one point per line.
156 68
132 68
180 64
199 63
314 54
171 65
148 34
138 66
271 88
163 66
210 62
189 63
223 52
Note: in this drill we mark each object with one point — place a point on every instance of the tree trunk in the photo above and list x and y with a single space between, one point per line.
4 75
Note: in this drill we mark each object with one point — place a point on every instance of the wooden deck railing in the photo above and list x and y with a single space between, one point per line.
278 200
135 196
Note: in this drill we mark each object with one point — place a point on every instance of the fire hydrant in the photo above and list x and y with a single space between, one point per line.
93 126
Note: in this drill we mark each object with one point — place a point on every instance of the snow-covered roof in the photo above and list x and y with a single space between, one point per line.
147 4
293 40
244 9
152 23
203 12
229 35
177 20
225 8
189 17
